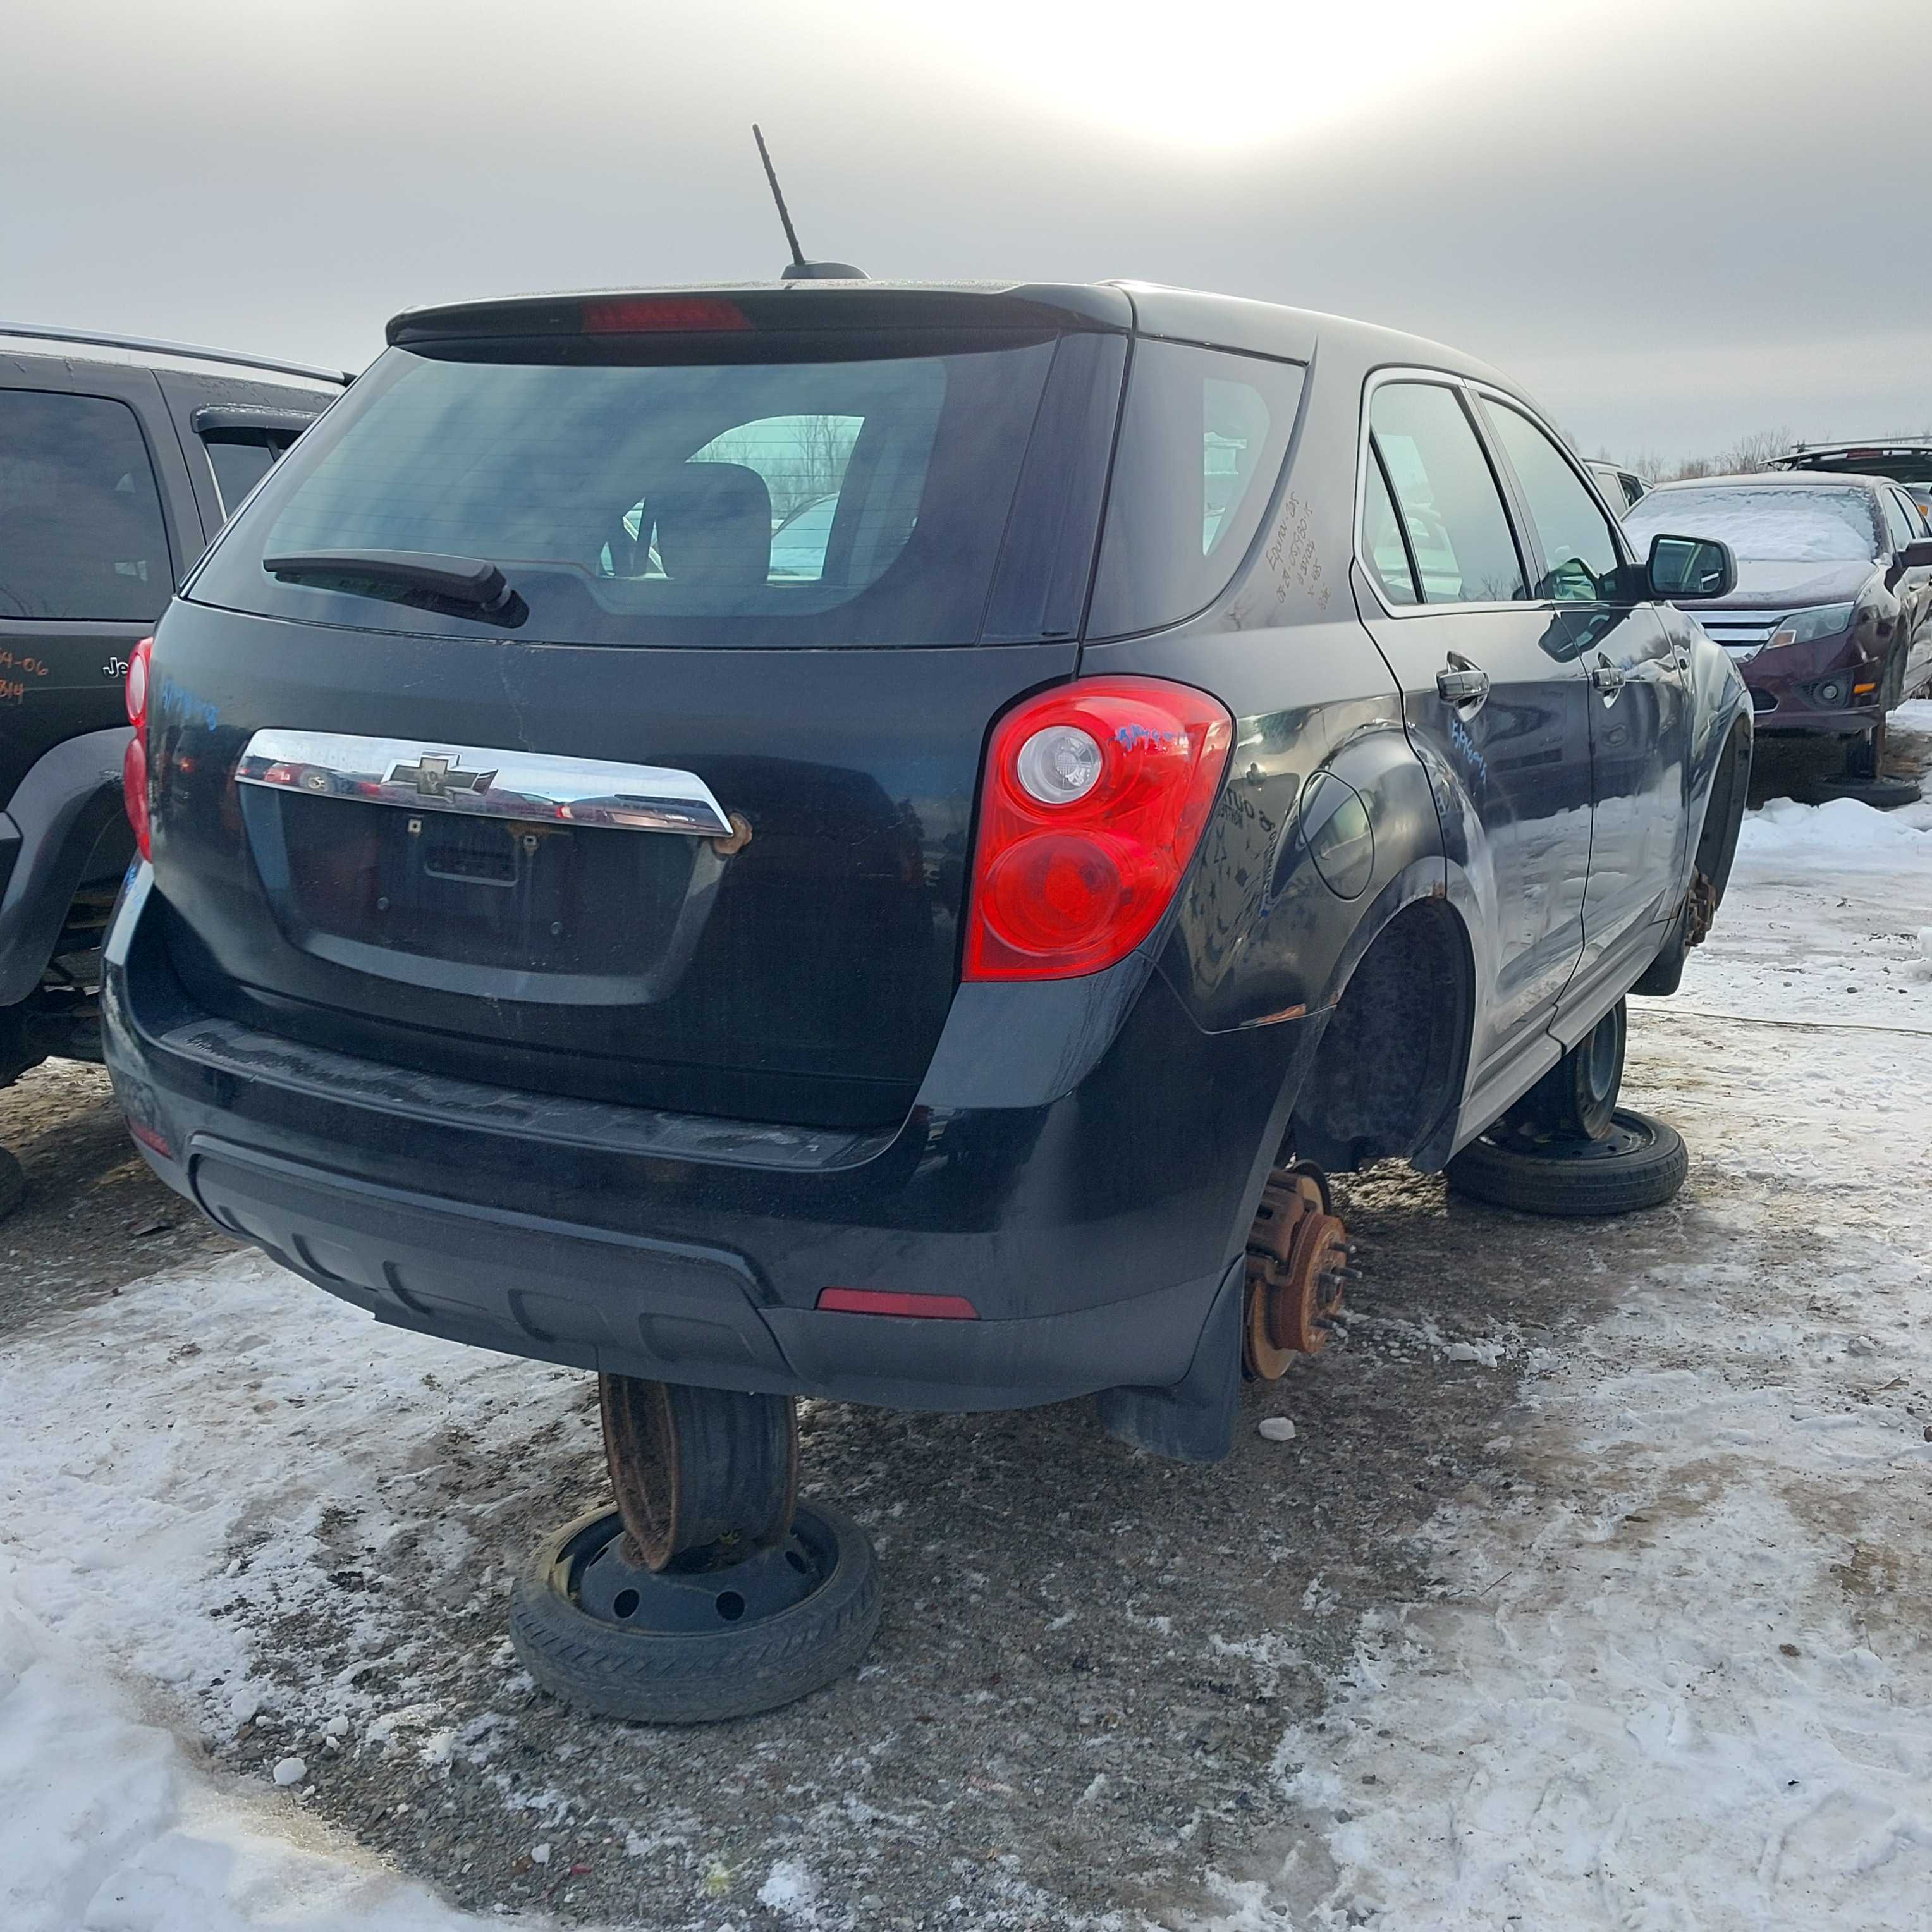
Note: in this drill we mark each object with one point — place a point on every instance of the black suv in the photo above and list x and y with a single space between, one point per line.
1201 735
119 460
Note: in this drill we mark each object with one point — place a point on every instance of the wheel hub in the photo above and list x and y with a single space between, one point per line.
1298 1257
692 1597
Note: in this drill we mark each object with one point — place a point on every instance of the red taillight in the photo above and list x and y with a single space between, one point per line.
653 315
1078 855
884 1301
134 760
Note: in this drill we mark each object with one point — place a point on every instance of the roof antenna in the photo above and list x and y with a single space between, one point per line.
798 269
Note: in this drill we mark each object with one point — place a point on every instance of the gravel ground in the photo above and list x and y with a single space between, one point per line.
1088 1657
1076 1707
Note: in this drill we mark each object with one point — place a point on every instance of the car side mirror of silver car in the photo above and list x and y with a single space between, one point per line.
1916 555
1691 567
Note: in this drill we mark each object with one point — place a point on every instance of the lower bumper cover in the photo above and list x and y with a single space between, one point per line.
1092 1228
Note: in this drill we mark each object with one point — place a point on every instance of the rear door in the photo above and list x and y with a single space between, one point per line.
1494 697
91 538
1639 707
683 820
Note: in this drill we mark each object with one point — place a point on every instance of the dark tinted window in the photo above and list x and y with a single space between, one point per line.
1201 448
1580 552
81 534
240 458
783 498
1382 545
1451 507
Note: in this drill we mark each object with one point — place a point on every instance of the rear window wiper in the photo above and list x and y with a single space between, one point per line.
473 582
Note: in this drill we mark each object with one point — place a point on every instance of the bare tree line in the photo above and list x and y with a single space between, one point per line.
1755 451
801 458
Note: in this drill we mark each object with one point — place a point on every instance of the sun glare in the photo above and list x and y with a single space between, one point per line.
1240 73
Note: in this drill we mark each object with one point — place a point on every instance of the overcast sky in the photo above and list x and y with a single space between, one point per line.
1677 221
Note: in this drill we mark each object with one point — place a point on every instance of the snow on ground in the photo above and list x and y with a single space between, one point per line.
1679 1679
124 1487
1688 1682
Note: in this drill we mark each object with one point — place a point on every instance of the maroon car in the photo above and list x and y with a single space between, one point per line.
1831 620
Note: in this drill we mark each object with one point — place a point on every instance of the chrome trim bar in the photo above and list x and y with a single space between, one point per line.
481 781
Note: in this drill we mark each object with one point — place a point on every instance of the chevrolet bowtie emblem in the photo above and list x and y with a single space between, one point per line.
432 776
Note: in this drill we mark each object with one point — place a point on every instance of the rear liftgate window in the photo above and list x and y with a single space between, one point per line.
793 494
1201 446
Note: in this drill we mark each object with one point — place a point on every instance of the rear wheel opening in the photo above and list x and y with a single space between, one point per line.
708 1592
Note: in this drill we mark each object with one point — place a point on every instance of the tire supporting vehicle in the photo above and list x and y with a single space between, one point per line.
1639 1163
709 1591
1566 1147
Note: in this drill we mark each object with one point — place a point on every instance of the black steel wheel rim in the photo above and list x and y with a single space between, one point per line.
692 1597
1600 1068
1628 1133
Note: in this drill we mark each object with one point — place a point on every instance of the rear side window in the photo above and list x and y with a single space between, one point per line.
1902 526
1580 552
1201 444
1381 539
1451 507
81 534
240 459
800 495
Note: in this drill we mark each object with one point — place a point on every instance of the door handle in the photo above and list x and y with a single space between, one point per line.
1462 684
1606 677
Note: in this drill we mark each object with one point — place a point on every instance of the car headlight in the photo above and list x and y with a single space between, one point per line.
1802 626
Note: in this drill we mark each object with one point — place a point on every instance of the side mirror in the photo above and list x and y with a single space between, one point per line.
1691 567
1916 555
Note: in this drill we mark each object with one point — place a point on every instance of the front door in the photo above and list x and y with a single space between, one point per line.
1638 708
1498 712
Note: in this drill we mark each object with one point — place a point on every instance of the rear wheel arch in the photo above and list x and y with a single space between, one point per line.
1724 809
1387 1080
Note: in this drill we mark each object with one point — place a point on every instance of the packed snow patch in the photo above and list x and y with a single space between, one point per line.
115 1574
106 1825
1682 1681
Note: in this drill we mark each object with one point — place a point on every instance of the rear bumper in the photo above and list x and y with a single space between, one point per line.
1081 1166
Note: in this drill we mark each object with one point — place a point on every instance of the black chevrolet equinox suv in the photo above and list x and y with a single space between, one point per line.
1178 742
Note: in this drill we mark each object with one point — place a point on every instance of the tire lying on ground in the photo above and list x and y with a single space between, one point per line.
1881 794
687 1677
1639 1163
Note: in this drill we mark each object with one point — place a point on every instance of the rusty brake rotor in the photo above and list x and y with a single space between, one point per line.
1298 1254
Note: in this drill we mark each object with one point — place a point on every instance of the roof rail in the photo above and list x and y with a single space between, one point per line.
1864 443
95 338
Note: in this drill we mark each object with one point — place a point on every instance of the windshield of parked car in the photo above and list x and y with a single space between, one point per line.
790 496
1764 522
